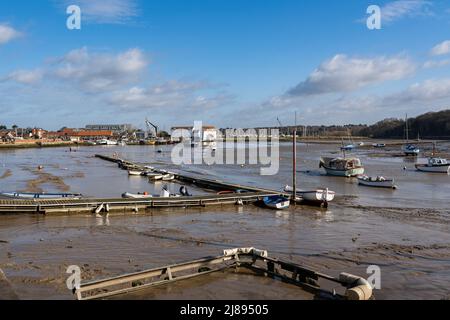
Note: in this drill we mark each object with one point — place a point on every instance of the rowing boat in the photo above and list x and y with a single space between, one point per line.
276 202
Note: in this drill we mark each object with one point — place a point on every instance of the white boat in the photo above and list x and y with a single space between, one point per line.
106 142
342 167
155 176
319 195
144 195
379 145
377 182
43 196
435 165
136 173
168 177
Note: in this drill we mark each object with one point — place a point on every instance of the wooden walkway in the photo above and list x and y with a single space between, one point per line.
239 195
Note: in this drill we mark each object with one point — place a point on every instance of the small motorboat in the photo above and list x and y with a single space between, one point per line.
342 167
43 196
410 150
319 195
434 165
155 176
349 147
136 173
276 202
128 195
168 177
377 182
379 145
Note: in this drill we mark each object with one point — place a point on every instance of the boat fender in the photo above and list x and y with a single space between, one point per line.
357 288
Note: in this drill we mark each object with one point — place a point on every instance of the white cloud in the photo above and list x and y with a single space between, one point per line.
26 76
441 49
95 72
396 10
429 91
7 33
171 94
106 11
436 64
344 74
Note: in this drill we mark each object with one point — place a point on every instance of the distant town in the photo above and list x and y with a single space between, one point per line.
433 125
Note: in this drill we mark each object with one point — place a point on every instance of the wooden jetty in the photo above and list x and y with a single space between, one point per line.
241 259
239 195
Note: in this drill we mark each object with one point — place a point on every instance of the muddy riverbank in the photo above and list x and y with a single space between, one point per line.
404 232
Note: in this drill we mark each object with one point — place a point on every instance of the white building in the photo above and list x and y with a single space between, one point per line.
194 134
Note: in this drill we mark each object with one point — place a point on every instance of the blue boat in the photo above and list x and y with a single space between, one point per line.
276 202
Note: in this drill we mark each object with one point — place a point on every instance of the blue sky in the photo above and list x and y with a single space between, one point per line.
230 63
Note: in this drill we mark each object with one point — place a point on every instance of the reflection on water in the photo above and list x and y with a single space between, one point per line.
362 226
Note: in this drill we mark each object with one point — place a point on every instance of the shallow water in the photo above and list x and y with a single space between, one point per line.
406 232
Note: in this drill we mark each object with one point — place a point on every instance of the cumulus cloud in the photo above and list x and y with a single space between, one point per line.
436 64
106 11
26 76
396 10
7 33
428 91
171 94
98 72
441 49
344 74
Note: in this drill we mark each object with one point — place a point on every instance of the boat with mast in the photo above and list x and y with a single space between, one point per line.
408 148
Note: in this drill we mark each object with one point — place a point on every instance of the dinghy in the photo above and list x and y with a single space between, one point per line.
377 182
128 195
434 165
136 173
319 195
155 176
43 196
168 177
276 202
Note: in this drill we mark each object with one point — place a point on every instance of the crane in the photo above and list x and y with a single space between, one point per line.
150 125
278 119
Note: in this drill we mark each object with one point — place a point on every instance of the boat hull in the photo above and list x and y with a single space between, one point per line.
387 184
319 195
344 173
434 169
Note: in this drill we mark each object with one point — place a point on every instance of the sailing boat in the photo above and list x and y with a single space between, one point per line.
435 164
348 147
409 149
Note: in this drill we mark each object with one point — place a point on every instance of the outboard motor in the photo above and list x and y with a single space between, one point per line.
184 192
165 193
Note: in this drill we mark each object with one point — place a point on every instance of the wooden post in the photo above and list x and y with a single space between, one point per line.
294 166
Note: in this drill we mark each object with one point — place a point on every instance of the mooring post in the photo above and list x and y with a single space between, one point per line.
294 167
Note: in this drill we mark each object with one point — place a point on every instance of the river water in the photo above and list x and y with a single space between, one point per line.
405 232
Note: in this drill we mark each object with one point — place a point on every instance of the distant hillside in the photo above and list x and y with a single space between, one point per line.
432 125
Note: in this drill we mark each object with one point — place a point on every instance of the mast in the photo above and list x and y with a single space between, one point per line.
294 162
407 129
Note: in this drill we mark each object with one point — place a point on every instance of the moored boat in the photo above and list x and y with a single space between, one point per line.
43 196
276 202
410 150
377 182
342 167
434 165
128 195
319 195
136 173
